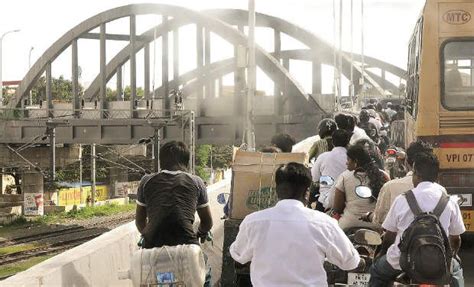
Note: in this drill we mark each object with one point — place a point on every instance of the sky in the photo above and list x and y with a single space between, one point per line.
388 25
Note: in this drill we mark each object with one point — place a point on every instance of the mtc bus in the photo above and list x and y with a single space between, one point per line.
440 93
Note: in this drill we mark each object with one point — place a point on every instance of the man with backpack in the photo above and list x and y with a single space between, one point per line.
423 229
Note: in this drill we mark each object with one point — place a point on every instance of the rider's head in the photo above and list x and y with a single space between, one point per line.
358 157
379 107
326 127
284 142
364 116
340 138
292 181
174 155
345 122
425 168
416 148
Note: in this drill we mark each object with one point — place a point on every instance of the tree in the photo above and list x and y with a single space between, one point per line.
203 153
61 89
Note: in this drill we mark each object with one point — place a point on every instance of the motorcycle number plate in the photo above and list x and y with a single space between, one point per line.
358 279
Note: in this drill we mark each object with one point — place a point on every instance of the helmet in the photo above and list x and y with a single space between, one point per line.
364 116
326 127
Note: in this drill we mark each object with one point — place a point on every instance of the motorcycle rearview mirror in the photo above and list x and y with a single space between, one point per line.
326 181
363 191
367 237
222 198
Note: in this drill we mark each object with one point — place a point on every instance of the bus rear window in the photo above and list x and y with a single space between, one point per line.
458 75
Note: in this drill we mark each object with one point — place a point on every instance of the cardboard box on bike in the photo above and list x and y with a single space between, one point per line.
253 180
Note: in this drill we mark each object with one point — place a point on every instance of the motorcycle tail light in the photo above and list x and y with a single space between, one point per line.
391 152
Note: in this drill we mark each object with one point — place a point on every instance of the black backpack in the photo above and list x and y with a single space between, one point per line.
425 250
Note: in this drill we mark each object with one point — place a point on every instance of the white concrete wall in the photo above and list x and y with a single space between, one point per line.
94 263
97 262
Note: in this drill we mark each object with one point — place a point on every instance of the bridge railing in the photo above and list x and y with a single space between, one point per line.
35 114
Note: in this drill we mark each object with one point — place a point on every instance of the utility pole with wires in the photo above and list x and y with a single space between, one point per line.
93 174
251 80
351 85
362 79
339 68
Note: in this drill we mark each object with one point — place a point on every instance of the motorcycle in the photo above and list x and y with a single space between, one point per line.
365 242
395 162
375 237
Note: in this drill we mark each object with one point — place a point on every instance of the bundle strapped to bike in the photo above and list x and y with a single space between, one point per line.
425 250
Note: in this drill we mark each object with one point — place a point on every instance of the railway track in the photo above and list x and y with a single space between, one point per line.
49 248
55 241
40 235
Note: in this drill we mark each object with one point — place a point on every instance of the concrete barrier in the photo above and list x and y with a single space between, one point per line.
97 262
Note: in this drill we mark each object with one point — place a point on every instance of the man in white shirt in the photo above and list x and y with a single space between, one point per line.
387 267
332 164
278 240
393 188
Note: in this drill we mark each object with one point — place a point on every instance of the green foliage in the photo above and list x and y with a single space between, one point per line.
221 159
59 217
202 157
221 156
61 90
102 210
112 95
17 248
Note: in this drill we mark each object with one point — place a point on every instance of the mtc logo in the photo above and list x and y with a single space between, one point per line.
457 17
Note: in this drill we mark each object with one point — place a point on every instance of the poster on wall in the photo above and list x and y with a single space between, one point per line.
33 204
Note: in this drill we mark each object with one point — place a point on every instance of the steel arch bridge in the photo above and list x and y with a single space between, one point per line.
90 118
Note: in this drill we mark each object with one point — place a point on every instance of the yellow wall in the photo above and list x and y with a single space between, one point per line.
73 195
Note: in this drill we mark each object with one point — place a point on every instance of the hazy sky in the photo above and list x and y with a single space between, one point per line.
388 25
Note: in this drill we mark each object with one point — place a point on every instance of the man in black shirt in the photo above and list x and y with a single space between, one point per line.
168 200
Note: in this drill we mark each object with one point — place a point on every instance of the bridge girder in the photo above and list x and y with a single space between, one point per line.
295 119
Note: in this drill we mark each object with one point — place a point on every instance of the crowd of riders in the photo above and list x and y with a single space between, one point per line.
288 244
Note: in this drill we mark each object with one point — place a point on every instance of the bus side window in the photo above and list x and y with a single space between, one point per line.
414 50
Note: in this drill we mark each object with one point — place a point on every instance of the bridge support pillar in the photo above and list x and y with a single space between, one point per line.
276 86
33 193
120 96
210 84
176 57
146 59
133 66
103 77
75 80
200 63
285 89
165 68
316 68
156 149
117 175
93 174
49 92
